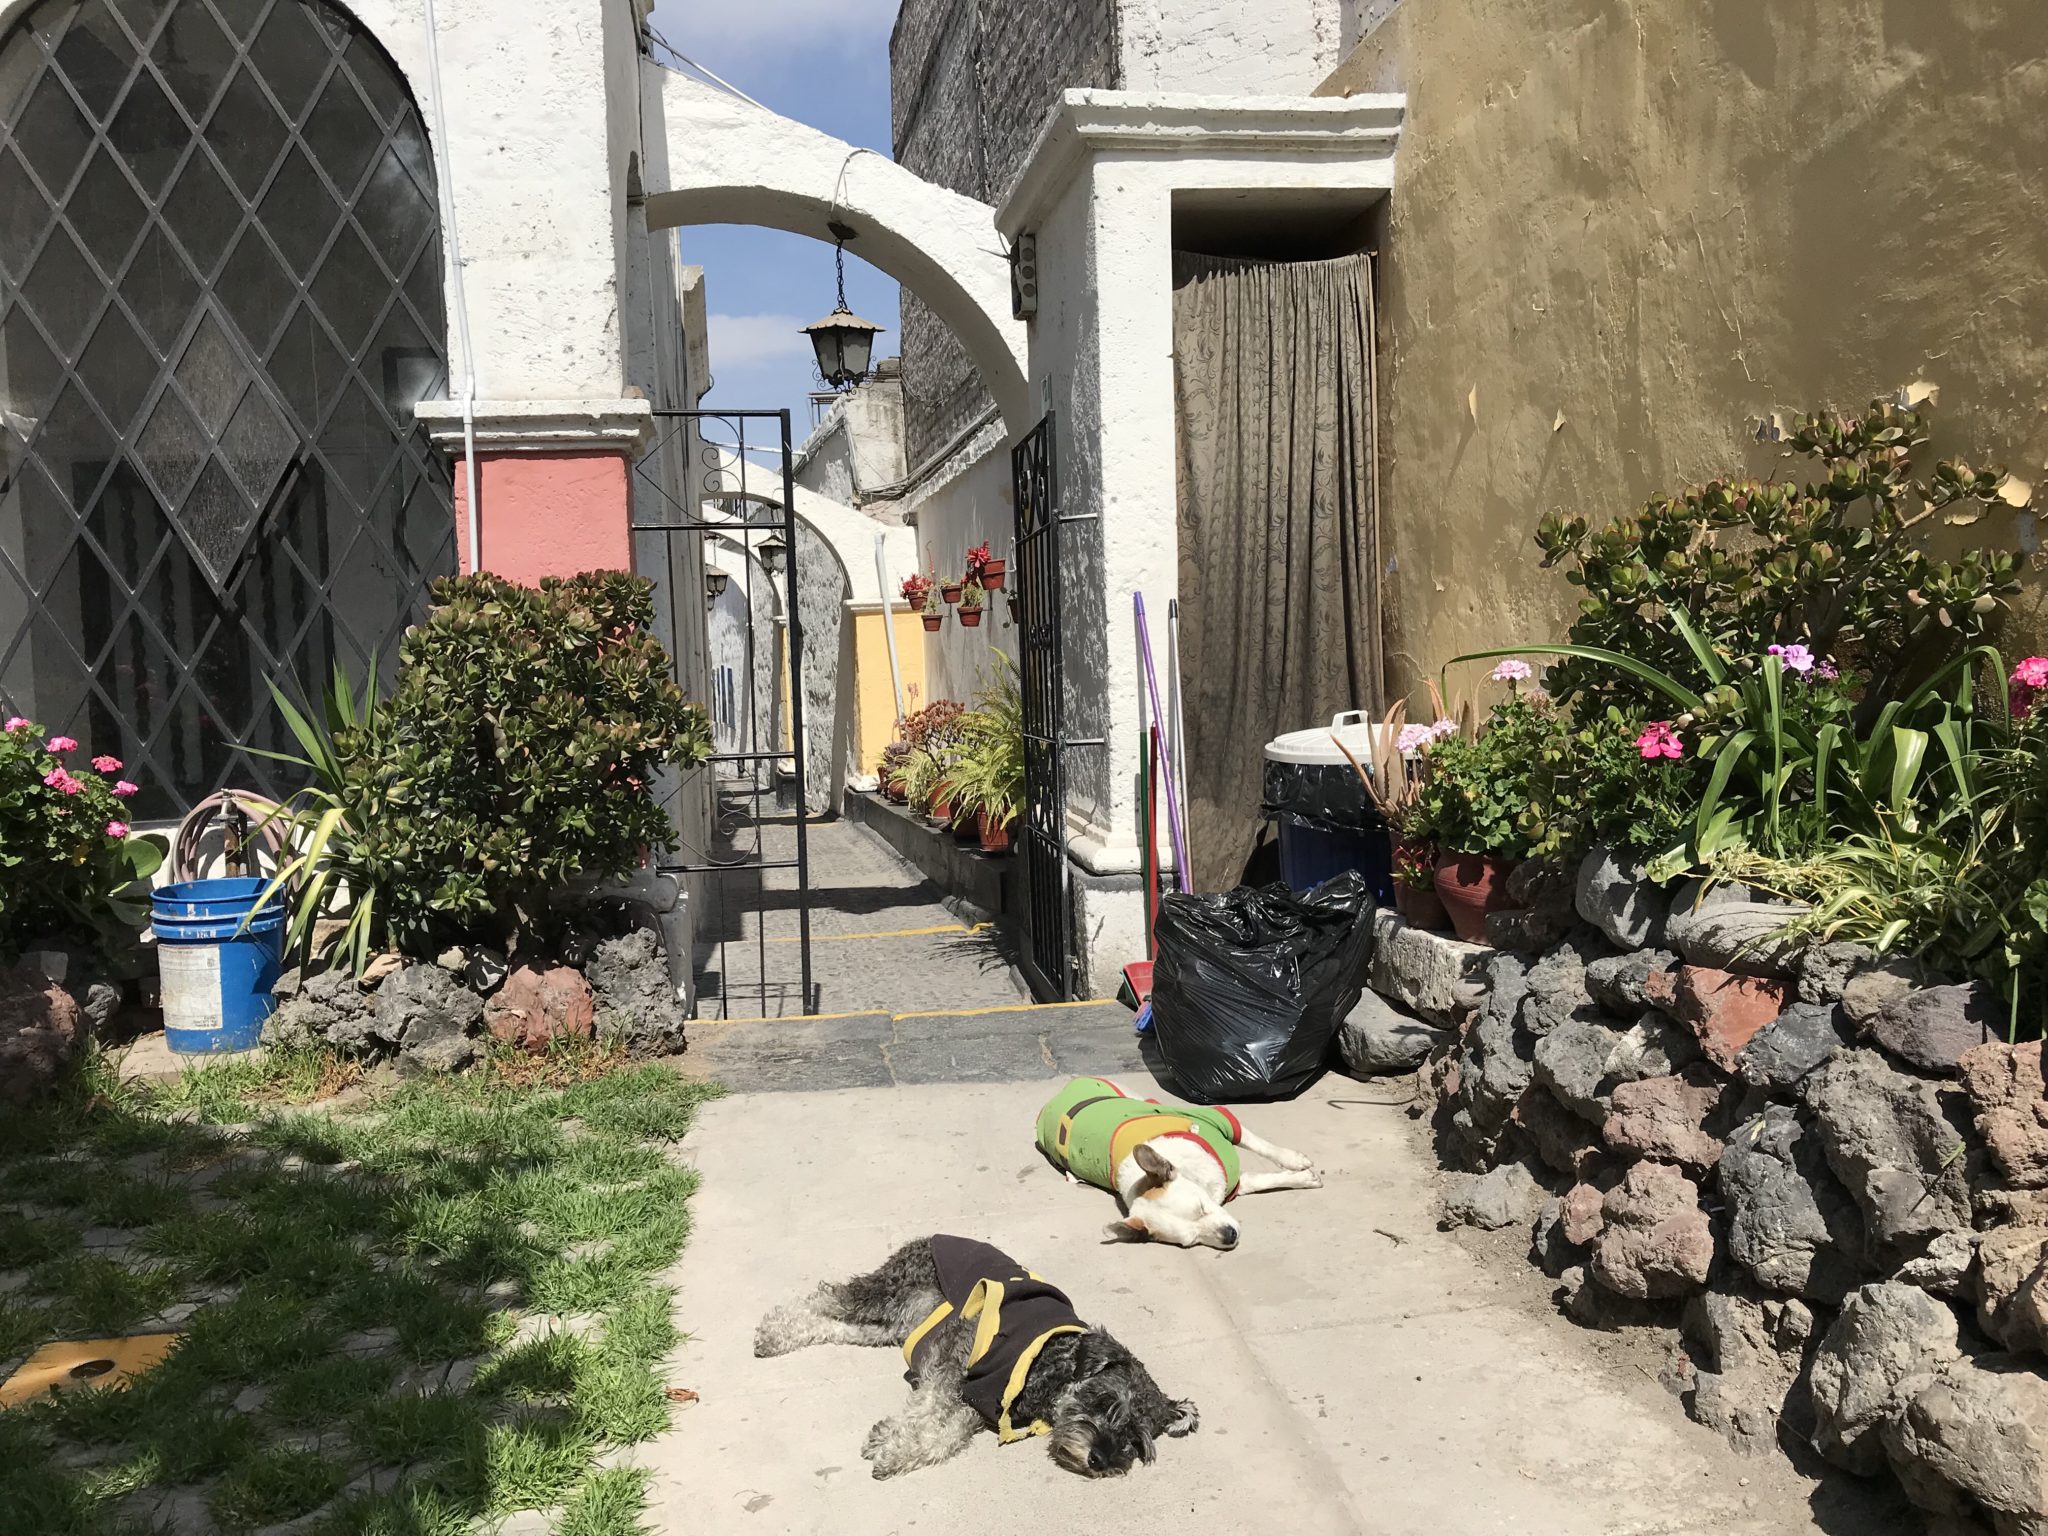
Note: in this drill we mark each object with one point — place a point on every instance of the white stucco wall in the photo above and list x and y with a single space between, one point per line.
970 505
1232 47
858 448
1100 194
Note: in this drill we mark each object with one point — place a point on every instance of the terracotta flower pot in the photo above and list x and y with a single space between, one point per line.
966 828
995 838
951 591
940 812
1419 907
970 618
992 575
932 621
1470 885
896 789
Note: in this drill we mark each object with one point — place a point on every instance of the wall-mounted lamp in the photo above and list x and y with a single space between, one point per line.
770 552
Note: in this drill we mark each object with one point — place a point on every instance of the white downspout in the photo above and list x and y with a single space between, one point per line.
889 624
445 173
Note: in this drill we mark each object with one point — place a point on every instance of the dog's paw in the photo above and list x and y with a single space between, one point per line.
1293 1162
1314 1179
878 1437
1186 1419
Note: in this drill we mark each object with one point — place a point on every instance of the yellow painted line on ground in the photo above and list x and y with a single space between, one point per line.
886 933
897 1018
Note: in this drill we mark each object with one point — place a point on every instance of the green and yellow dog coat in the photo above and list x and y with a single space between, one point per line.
1091 1126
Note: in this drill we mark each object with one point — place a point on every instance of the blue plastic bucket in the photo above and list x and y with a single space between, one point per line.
217 976
1309 856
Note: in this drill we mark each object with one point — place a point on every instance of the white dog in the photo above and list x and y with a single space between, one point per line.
1173 1166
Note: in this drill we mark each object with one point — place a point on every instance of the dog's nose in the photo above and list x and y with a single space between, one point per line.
1230 1237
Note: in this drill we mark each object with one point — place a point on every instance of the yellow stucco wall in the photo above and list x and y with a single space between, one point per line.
1622 232
875 707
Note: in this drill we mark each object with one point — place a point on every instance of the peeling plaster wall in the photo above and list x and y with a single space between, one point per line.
1233 47
858 447
1659 222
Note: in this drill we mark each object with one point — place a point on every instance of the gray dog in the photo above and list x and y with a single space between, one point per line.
987 1342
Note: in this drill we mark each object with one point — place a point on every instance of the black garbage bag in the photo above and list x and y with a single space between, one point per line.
1248 987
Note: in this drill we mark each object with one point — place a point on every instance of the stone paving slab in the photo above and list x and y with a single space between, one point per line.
1021 1044
1349 1381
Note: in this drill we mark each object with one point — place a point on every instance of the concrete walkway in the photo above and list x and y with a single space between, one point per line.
1357 1371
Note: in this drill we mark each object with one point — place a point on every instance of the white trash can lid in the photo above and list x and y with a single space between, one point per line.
1355 728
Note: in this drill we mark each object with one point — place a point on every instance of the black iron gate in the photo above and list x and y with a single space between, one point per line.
1048 951
720 482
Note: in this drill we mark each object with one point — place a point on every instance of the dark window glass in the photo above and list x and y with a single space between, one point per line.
209 475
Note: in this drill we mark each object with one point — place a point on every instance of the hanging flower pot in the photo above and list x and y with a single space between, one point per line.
932 621
950 591
995 835
992 575
970 607
1470 885
1016 609
970 618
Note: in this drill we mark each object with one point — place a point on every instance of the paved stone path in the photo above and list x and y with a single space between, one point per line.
882 938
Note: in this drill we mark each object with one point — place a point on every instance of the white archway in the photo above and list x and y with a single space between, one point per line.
733 163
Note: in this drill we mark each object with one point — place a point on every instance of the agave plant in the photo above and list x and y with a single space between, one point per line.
324 874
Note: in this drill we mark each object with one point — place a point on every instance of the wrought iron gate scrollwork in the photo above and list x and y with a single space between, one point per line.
1049 898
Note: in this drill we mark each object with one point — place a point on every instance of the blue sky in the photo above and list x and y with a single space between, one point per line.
826 63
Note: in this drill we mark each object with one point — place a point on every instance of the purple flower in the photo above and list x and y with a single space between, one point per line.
1413 738
1443 728
1512 671
1795 658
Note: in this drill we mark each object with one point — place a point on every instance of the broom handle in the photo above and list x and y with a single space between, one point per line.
1183 877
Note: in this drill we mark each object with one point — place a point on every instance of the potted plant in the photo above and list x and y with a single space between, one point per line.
989 773
1475 798
1415 896
980 567
971 600
915 586
933 612
893 774
951 591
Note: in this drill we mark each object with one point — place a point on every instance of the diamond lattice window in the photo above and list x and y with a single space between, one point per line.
220 299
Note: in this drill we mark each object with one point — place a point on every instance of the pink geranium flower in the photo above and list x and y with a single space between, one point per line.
124 789
107 764
1413 738
61 744
1512 671
16 723
62 781
117 829
2028 679
1659 740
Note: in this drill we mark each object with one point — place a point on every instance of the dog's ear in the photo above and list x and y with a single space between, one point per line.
1154 1162
1129 1230
1185 1421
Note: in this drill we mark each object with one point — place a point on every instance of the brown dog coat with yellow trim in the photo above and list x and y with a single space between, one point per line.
1013 1311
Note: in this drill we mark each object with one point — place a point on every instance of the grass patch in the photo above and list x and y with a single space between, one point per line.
339 1263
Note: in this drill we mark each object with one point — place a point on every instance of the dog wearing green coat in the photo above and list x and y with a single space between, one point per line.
1174 1167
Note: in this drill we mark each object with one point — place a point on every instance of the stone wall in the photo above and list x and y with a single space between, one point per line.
970 83
1824 1173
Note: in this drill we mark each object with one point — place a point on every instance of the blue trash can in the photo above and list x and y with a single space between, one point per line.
217 975
1327 822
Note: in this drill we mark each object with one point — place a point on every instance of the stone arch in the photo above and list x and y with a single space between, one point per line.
730 162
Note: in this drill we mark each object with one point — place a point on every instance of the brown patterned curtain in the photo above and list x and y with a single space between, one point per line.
1279 546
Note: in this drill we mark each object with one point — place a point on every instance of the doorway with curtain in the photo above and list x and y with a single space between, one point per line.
1274 395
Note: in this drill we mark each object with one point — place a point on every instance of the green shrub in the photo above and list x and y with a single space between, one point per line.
1475 796
1834 564
65 850
986 773
1607 783
517 753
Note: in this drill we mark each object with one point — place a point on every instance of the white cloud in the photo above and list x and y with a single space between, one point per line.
709 29
754 341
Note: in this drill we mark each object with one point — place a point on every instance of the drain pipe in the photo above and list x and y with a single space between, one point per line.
889 623
445 169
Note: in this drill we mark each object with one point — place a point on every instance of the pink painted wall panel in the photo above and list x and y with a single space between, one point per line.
548 514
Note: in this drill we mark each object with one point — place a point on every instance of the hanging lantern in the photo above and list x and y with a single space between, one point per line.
770 552
844 343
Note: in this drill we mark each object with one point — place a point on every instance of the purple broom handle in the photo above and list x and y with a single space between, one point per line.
1182 876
